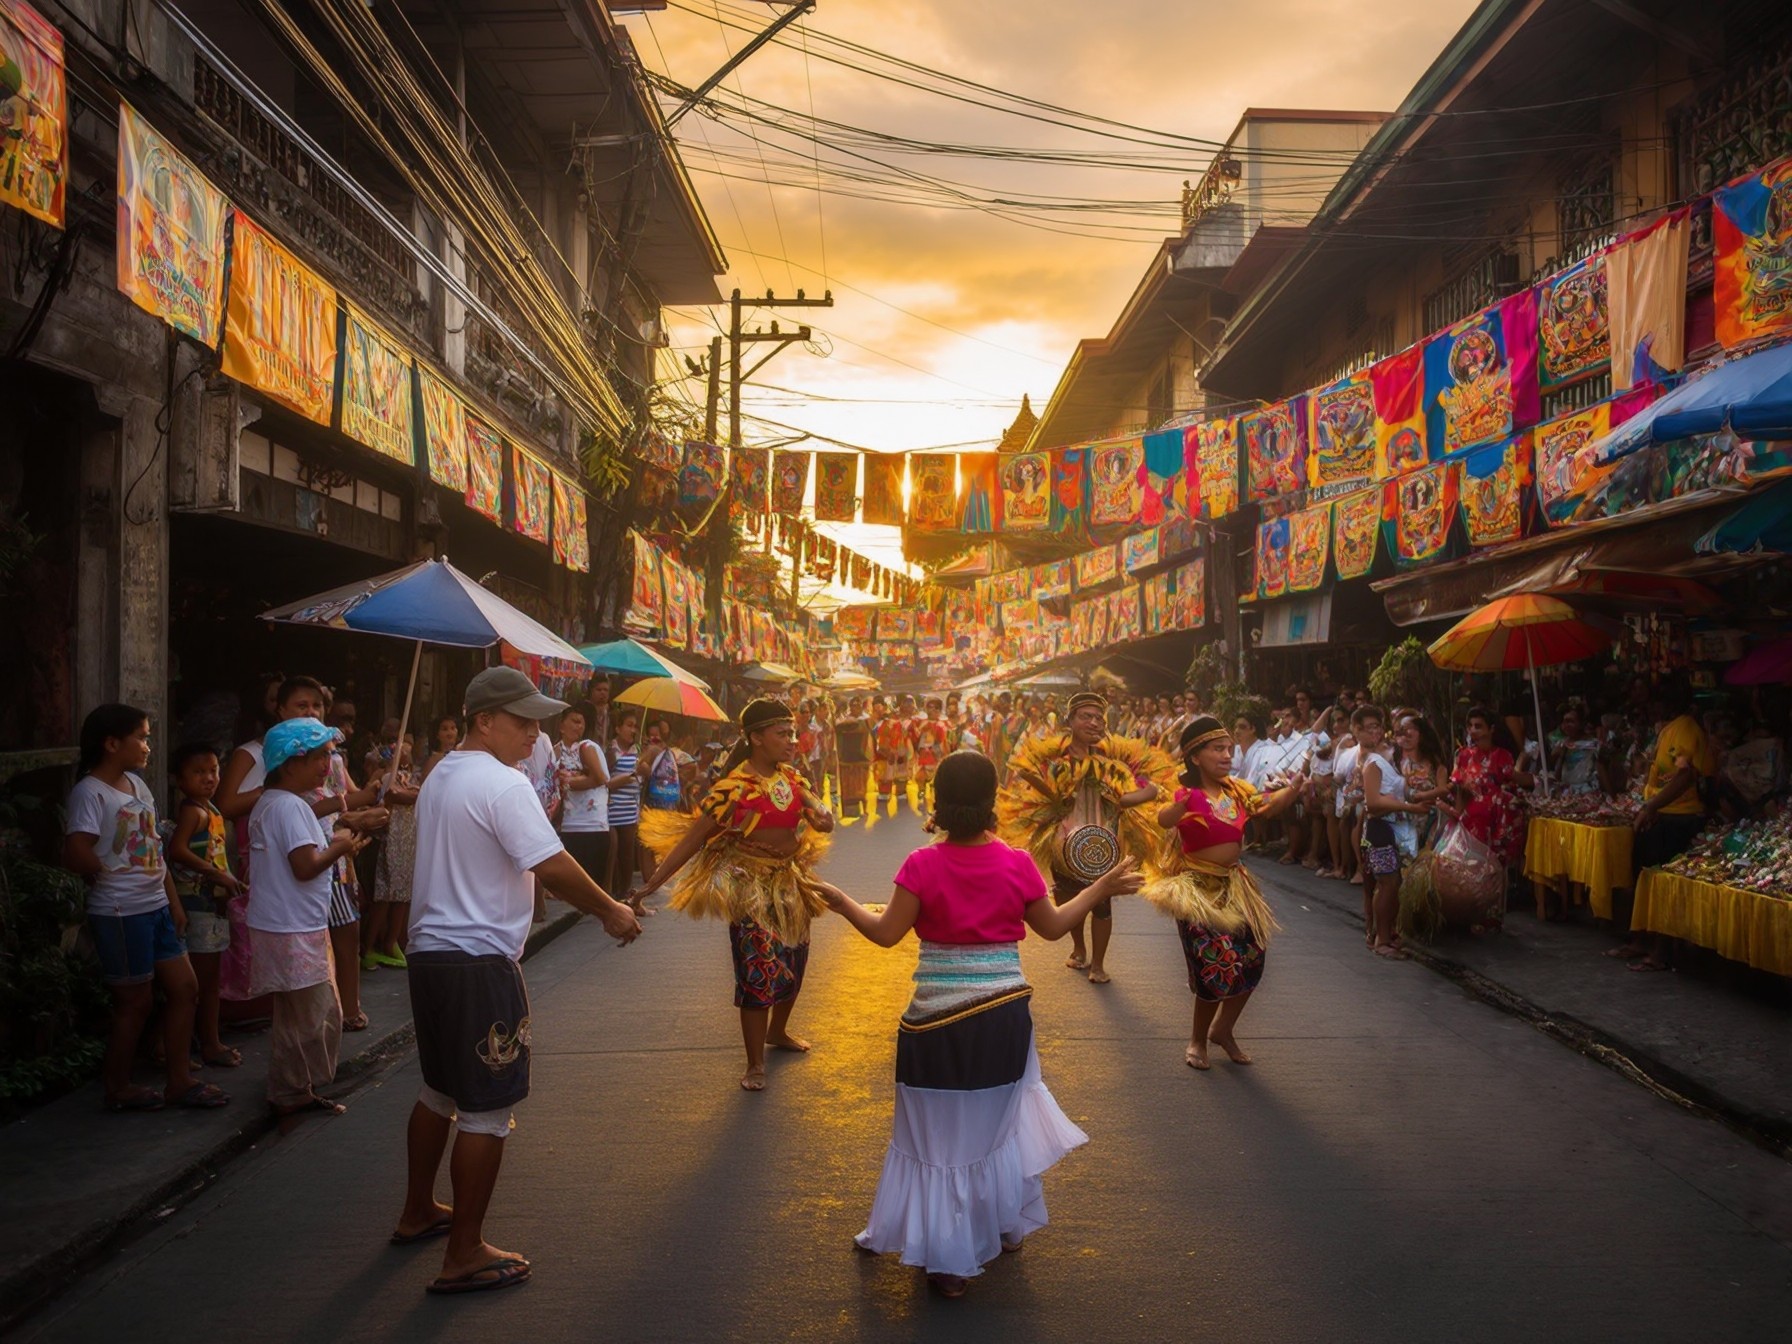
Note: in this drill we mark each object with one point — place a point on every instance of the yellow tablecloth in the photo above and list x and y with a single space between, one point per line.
1597 857
1742 925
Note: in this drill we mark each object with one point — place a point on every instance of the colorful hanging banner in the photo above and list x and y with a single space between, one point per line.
1398 385
854 623
1139 550
376 390
1054 579
1216 456
572 545
1159 474
836 487
1309 547
1273 540
34 115
644 591
790 483
444 431
979 496
1094 568
1275 447
170 229
750 474
1356 527
1154 595
933 493
1574 335
1124 616
1481 376
279 323
1188 596
1117 495
1424 502
1563 463
701 474
1026 484
1490 488
662 452
1752 257
1341 431
1070 489
1020 616
1646 279
485 469
895 624
1011 585
677 602
883 488
1185 490
529 495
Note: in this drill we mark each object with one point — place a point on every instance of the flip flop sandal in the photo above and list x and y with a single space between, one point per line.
439 1228
505 1272
203 1097
136 1100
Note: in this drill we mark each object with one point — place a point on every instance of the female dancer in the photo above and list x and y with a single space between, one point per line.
1220 912
975 1126
753 866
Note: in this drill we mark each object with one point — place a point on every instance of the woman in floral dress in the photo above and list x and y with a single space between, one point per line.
1485 778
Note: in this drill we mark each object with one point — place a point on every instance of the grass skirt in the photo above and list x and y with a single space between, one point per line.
730 881
1222 897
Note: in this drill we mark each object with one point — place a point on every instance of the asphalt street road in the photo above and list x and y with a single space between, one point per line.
1402 1163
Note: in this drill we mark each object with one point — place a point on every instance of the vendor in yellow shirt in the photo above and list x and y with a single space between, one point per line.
1672 813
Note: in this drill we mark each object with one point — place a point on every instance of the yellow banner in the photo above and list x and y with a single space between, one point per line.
33 113
170 232
376 389
444 431
279 323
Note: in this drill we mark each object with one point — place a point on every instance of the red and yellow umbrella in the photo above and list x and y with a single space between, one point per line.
663 695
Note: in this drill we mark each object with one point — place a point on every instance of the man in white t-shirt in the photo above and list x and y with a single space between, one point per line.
481 832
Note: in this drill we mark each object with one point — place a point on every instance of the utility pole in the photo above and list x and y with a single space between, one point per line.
712 407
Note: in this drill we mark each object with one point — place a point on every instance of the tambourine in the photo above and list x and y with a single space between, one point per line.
1088 852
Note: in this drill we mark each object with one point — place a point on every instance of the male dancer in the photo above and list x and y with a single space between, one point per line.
931 736
890 741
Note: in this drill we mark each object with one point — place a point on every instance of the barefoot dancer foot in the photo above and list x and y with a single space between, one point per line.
753 1080
1076 961
1097 976
1233 1051
795 1044
1196 1057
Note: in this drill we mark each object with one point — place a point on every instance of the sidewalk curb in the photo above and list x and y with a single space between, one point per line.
45 1278
1616 1054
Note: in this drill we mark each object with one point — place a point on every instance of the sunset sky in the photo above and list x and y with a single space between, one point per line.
944 317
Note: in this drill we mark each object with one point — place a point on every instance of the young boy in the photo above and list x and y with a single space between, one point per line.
205 885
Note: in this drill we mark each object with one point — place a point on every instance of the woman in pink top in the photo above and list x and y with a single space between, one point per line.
975 1126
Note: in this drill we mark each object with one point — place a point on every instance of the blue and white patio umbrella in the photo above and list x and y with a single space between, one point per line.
1751 397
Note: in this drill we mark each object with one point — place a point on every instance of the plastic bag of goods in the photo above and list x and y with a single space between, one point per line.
1470 883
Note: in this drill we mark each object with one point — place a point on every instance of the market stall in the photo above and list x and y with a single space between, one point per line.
1571 854
1731 892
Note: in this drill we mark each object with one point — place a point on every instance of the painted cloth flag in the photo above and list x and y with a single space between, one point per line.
1646 284
1098 622
485 469
701 474
1574 335
1176 538
1481 376
1424 503
1124 621
1094 568
930 632
279 323
750 475
444 432
33 114
1398 383
1188 596
1309 547
895 623
1273 540
572 546
1752 258
1185 491
170 229
790 483
1564 467
978 494
662 452
1275 448
1216 469
644 593
677 601
1356 527
1162 468
1011 585
1054 579
1020 616
1138 550
376 390
1026 485
1117 494
1490 488
836 487
933 491
883 488
529 495
1154 596
854 623
1070 489
1341 431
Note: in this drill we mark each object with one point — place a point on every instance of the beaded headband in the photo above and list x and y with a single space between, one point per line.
1212 735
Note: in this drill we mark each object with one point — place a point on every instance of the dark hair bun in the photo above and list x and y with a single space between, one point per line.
964 792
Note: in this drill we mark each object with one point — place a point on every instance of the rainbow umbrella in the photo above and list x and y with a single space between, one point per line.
664 695
1526 630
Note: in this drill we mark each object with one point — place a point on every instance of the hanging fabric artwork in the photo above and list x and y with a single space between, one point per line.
1070 489
1424 503
1216 470
1096 567
1139 550
1646 284
1490 489
1188 597
485 469
376 390
1154 596
662 452
1356 527
279 323
701 474
1481 376
750 475
1026 484
836 487
1054 579
528 495
1011 585
1117 493
170 226
1163 467
933 492
1272 557
1752 258
444 431
790 483
644 592
1341 431
979 496
854 623
1309 547
1562 453
1185 490
883 488
34 125
572 545
1574 335
1275 448
895 624
1398 384
677 601
1124 623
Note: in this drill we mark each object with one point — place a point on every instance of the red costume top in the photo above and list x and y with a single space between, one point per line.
745 802
1209 822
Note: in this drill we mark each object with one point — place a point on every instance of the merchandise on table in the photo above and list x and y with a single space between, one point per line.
1751 855
1589 809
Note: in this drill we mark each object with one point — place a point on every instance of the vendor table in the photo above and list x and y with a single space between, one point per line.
1597 857
1744 926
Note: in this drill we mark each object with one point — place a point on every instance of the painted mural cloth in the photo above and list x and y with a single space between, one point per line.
1490 491
883 488
1216 456
1752 261
1481 376
750 475
1124 614
701 474
933 493
978 493
376 389
1117 494
1161 469
485 469
529 495
1070 489
1275 448
1309 547
1139 550
1273 540
1341 431
170 227
1094 568
1026 485
1424 503
572 546
1398 384
1188 596
1356 528
444 432
33 114
790 483
279 323
1573 323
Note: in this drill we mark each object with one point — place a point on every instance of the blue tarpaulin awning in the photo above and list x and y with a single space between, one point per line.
1751 396
1763 524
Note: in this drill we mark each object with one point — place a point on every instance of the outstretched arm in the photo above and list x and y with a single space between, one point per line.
693 840
887 927
1277 803
1054 921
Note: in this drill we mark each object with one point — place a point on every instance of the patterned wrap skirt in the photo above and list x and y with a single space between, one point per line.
1223 920
767 970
